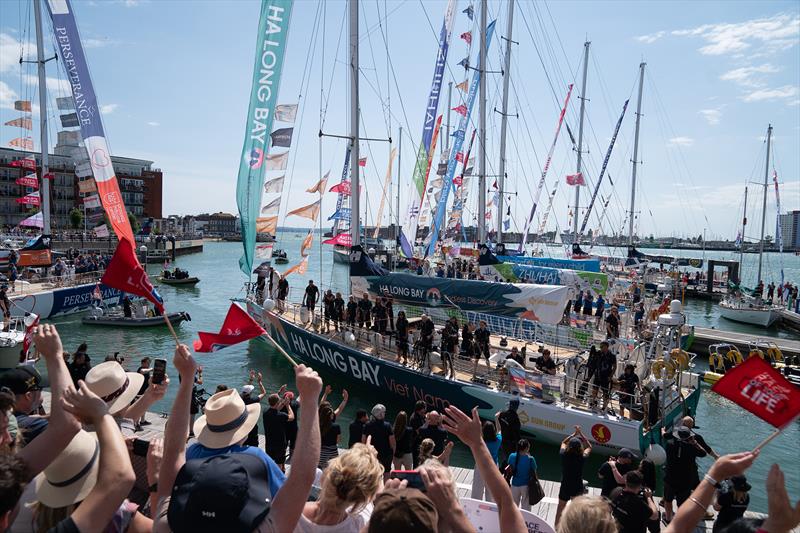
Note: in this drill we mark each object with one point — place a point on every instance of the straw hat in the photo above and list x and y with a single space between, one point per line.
226 421
72 475
115 386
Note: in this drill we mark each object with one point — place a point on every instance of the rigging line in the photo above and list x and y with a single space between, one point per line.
370 30
342 25
375 72
385 37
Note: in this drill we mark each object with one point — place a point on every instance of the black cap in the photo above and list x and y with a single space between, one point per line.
22 379
740 483
221 493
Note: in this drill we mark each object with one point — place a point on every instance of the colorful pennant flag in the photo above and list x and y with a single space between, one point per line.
441 169
464 62
762 390
299 268
470 12
34 221
362 162
26 143
463 86
69 120
264 251
274 185
342 239
460 157
272 208
506 224
282 137
21 122
83 169
341 214
101 231
126 274
277 161
87 186
237 327
92 202
321 185
30 199
461 110
65 103
29 180
286 112
310 211
467 36
267 225
341 188
23 105
576 179
306 244
69 138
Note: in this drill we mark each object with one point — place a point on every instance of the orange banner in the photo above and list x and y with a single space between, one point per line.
34 258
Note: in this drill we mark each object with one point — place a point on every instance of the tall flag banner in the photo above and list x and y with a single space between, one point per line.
778 232
28 181
544 172
87 186
88 110
237 327
21 122
23 105
342 188
126 274
458 141
282 137
408 233
286 112
264 251
362 162
310 211
272 208
274 185
28 163
65 103
340 197
273 28
603 169
757 387
386 190
321 185
299 268
26 143
69 120
306 244
267 225
343 239
576 179
31 321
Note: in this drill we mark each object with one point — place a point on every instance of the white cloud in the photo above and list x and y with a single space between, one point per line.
779 93
55 86
7 96
9 52
748 76
680 141
154 124
651 38
794 103
108 108
98 43
712 116
771 34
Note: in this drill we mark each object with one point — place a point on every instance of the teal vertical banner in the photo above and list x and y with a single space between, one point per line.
273 30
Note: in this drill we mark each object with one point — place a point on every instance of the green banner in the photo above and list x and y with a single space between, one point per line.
273 29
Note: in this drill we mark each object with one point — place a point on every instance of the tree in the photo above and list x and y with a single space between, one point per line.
134 222
699 239
76 218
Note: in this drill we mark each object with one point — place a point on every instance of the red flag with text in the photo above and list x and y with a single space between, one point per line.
31 321
575 179
342 239
126 274
237 327
762 390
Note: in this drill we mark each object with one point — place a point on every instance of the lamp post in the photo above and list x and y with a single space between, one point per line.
143 249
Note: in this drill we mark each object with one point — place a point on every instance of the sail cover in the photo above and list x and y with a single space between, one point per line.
273 29
541 303
87 109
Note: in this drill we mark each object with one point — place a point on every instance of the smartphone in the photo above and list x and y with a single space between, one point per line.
412 476
159 371
140 447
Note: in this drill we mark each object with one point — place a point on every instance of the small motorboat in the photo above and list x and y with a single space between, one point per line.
279 257
177 277
120 320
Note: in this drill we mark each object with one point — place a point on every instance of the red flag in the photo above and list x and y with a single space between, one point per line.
362 162
27 162
461 110
343 239
762 390
467 36
460 157
28 181
31 199
458 180
28 339
575 179
238 327
342 188
126 274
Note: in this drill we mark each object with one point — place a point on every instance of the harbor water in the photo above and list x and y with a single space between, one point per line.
726 427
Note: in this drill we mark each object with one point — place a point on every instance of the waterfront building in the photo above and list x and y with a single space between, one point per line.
790 229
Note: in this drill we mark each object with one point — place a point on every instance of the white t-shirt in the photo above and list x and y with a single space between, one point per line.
353 523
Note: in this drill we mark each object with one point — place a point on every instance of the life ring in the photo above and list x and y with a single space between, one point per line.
715 362
662 369
734 356
775 355
755 353
680 357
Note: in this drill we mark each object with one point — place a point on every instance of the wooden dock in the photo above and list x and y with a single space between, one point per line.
790 319
704 337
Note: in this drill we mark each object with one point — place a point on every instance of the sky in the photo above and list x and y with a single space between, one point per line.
173 81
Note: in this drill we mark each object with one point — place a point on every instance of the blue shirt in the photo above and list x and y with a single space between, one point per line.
494 447
522 472
276 477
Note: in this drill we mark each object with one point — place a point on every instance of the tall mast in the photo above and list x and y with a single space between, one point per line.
355 181
635 153
764 205
482 131
744 226
397 208
40 61
446 143
501 180
580 138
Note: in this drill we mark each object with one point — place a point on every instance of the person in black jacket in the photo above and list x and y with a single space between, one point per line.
510 430
352 313
402 338
356 429
338 310
680 470
482 336
426 330
449 346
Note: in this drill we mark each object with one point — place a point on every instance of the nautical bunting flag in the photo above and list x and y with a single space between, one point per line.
65 103
299 268
762 390
321 185
31 321
237 327
23 105
464 62
83 170
264 251
92 202
69 138
506 224
69 120
267 225
34 221
310 211
461 110
441 169
467 36
126 274
341 214
276 161
28 181
87 186
362 162
21 122
274 185
343 239
457 181
460 155
341 188
286 112
101 231
95 216
306 244
463 86
282 137
26 143
576 179
470 12
30 199
272 208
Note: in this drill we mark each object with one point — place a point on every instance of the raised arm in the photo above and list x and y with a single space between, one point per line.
619 478
115 475
262 391
62 426
290 500
153 393
289 409
345 398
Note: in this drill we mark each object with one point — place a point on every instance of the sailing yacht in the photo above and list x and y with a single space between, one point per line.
738 306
